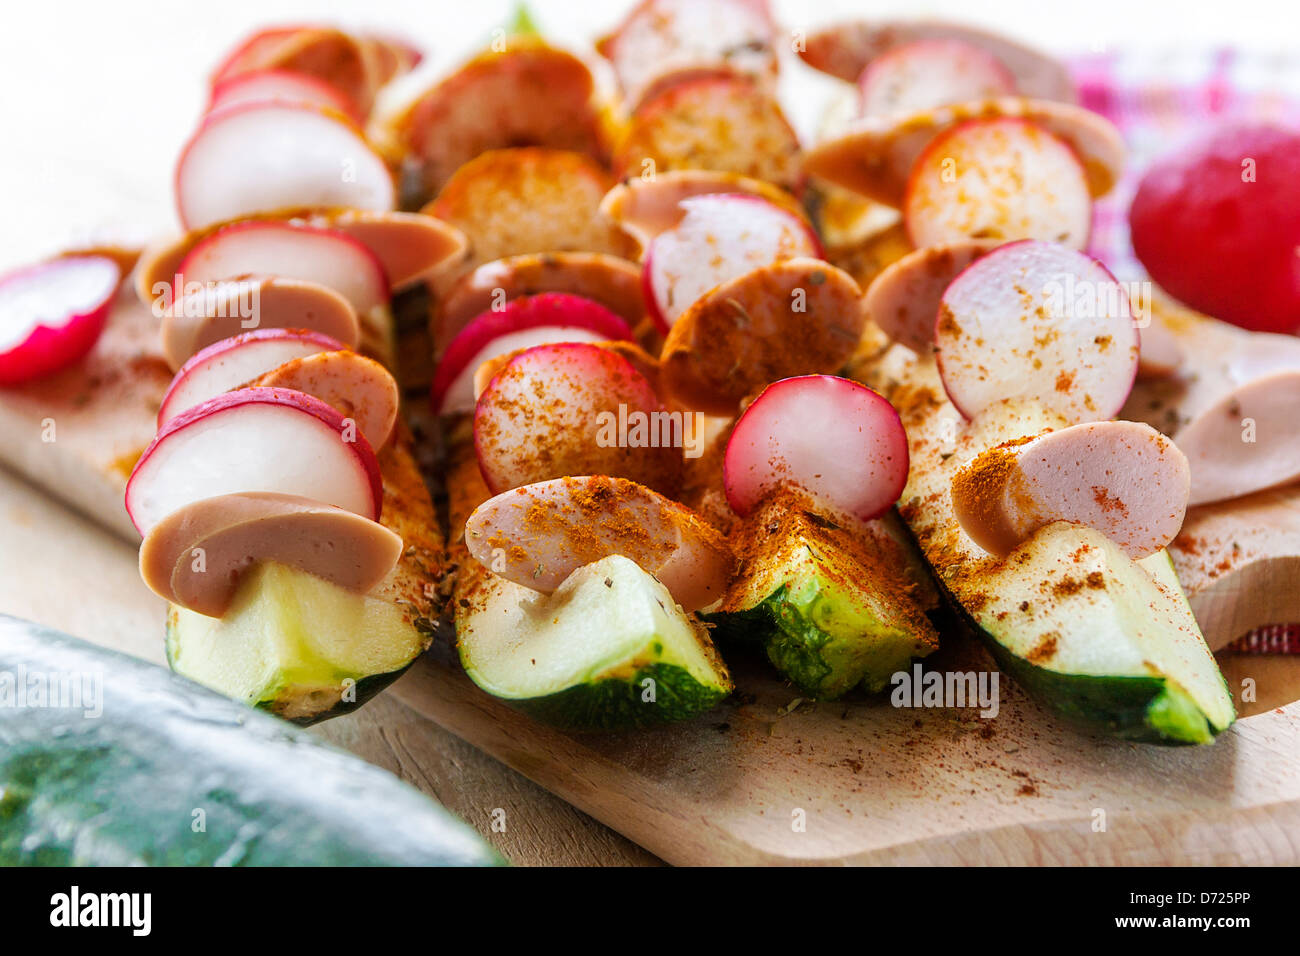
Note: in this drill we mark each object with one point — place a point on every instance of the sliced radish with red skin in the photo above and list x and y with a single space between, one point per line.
643 208
255 439
998 179
555 411
358 388
52 313
645 364
523 323
797 317
270 247
663 36
1124 479
539 534
928 73
280 86
904 299
235 532
607 280
836 440
875 155
229 363
845 50
718 238
1040 321
224 309
261 157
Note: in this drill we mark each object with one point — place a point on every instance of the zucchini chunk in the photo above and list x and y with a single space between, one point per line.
119 763
833 607
608 650
304 648
1107 642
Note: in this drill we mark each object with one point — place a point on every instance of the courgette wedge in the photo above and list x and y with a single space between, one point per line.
608 650
1106 641
106 760
834 607
306 649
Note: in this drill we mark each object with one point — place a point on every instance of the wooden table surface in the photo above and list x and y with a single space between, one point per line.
62 570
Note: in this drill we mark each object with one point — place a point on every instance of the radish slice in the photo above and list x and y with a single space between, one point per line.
1124 479
845 50
718 238
835 439
643 208
711 121
607 280
52 313
998 179
574 409
231 362
645 364
538 535
255 439
1245 441
510 202
669 36
232 533
928 73
223 309
904 299
260 157
269 247
358 388
523 323
1037 320
797 317
279 86
876 155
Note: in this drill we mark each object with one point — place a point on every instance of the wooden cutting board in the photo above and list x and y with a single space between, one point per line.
760 781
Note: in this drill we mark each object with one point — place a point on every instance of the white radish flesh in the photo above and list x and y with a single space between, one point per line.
835 439
928 73
718 238
1124 479
254 439
278 86
262 157
998 179
1039 321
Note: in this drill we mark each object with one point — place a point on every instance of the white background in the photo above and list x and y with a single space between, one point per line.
96 98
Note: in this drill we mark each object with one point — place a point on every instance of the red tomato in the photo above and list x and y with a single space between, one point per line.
1217 225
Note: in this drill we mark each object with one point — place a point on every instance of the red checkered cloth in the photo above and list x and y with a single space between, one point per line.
1159 100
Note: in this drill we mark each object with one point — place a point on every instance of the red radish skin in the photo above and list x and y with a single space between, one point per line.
554 411
228 364
719 237
524 322
262 157
998 179
280 86
1040 321
835 439
1217 225
272 247
539 534
928 73
52 314
904 299
1124 479
255 439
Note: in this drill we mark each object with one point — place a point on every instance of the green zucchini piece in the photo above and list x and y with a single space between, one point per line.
1108 642
608 650
296 645
123 763
833 607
